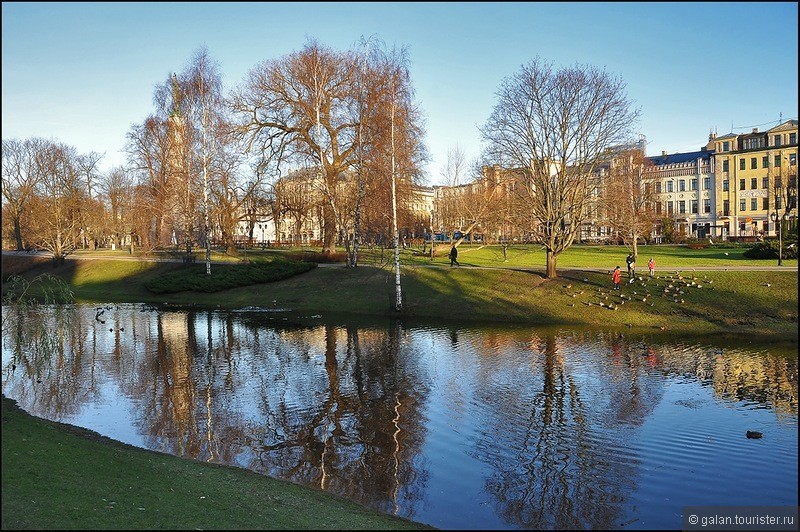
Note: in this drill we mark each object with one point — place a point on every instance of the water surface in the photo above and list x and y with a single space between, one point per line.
457 427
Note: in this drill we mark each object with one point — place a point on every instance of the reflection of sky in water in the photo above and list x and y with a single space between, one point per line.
459 428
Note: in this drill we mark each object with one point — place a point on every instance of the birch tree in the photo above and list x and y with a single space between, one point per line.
553 125
203 85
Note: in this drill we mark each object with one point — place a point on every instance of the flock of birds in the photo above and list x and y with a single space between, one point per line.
643 289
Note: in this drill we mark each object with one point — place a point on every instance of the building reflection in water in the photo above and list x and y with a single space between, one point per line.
524 428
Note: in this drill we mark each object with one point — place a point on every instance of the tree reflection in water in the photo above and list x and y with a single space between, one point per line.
546 422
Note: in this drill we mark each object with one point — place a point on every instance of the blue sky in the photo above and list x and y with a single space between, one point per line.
83 73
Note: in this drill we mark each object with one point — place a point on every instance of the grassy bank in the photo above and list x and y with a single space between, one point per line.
59 476
678 299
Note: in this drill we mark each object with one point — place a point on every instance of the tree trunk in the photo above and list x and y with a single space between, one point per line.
18 234
329 229
552 258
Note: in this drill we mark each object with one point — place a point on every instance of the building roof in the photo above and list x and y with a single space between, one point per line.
787 125
675 158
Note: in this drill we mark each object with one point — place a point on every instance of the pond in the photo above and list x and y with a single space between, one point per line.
460 427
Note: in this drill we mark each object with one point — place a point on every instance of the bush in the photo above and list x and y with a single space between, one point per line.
318 257
225 276
768 249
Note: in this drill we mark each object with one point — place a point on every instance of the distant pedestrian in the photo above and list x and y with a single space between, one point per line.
454 256
631 264
651 265
616 277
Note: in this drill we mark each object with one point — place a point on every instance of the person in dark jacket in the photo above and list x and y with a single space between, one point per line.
454 256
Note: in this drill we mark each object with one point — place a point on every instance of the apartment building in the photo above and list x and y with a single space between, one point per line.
734 187
756 176
683 192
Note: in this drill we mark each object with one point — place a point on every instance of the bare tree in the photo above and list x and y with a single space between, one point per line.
553 126
319 108
93 215
626 203
298 109
116 186
468 201
202 83
56 204
150 152
20 178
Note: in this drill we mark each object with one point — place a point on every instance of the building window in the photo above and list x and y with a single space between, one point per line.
741 184
753 183
706 206
742 164
778 203
694 206
778 182
765 182
682 207
776 140
681 185
753 143
753 204
670 208
693 184
726 146
726 207
658 207
725 185
792 159
742 204
725 165
765 161
765 204
792 138
753 163
669 186
658 187
706 183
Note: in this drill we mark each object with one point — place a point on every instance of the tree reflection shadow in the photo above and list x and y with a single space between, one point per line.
348 408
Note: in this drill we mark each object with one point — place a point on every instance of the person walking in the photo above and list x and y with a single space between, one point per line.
454 256
616 277
651 265
631 264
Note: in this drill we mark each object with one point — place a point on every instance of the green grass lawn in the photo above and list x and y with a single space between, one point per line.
61 477
517 255
760 303
583 256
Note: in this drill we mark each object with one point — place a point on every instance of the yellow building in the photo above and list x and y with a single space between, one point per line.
756 177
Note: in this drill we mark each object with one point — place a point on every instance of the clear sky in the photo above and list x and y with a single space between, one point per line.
83 73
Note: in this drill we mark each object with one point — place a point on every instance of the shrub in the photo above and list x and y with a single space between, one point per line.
225 276
768 249
318 257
